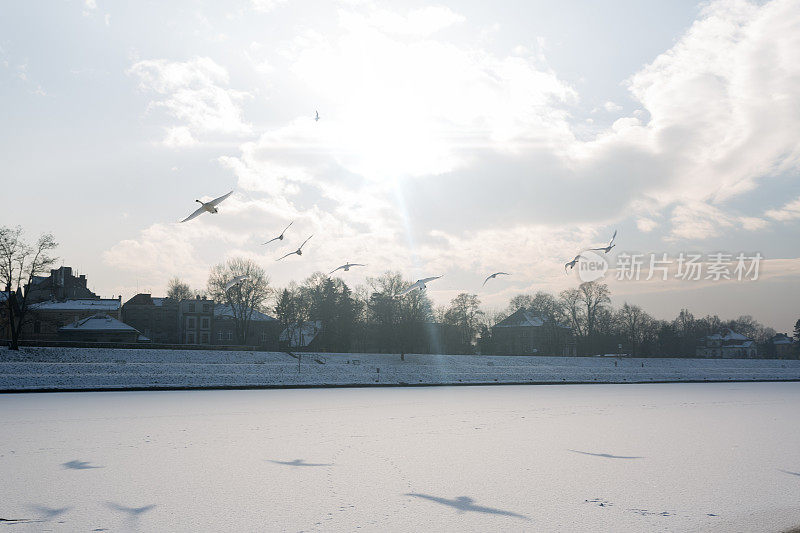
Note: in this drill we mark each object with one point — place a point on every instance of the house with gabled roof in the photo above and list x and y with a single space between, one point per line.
100 328
524 333
727 344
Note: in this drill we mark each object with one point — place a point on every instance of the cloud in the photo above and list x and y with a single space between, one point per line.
790 211
646 225
193 92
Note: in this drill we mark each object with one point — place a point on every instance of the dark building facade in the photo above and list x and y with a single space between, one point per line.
263 330
523 333
60 285
155 318
44 319
195 320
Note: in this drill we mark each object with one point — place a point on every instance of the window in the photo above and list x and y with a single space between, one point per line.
206 308
190 322
190 338
230 335
219 335
205 322
204 338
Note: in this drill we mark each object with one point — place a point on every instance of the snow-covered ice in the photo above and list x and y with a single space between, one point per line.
650 457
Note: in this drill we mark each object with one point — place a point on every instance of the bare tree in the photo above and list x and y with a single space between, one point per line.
636 326
464 313
179 290
19 263
244 298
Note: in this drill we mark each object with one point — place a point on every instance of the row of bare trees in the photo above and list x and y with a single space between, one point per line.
371 317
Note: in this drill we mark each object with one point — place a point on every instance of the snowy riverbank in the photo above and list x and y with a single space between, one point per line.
101 368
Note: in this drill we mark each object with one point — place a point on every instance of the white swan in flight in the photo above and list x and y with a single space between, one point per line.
571 264
611 244
419 284
299 251
280 237
346 267
235 281
210 207
494 276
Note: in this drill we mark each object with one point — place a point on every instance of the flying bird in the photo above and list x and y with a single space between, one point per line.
346 267
280 237
571 264
235 281
210 207
419 284
299 251
494 276
611 244
316 118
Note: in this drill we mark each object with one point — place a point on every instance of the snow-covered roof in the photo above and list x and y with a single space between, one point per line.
521 318
728 335
226 311
309 331
90 304
782 338
98 323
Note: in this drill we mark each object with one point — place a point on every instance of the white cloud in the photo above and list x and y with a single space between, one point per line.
265 6
194 93
790 211
611 107
417 22
646 225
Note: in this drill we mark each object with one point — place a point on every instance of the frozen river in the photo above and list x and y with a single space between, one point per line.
654 457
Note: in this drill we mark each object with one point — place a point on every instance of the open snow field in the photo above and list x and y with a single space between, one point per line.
650 457
108 368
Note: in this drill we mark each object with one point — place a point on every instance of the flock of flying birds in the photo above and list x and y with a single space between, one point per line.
211 207
605 249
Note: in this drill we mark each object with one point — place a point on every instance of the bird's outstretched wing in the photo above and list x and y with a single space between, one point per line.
287 227
304 243
598 249
335 269
216 201
411 288
196 214
612 238
426 280
287 255
269 241
487 279
357 265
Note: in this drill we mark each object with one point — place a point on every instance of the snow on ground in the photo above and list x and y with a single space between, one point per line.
649 457
80 368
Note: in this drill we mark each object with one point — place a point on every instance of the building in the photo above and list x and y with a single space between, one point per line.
195 319
44 319
783 346
155 318
263 330
60 285
99 328
727 344
296 336
523 333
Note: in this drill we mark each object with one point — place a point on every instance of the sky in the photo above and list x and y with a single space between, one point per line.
455 139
